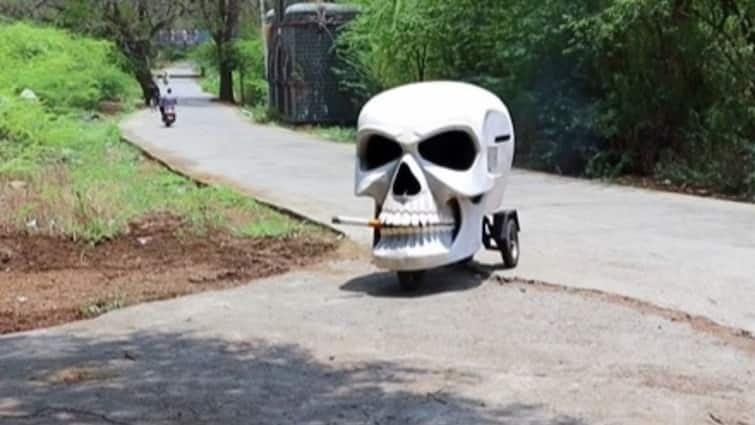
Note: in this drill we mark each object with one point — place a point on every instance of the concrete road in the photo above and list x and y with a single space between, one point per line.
340 344
691 254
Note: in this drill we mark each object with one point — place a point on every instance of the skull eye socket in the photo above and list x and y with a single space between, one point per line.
452 149
379 151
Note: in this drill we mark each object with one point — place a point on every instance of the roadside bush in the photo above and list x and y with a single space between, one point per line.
172 53
251 63
204 54
68 74
249 75
29 135
63 70
674 87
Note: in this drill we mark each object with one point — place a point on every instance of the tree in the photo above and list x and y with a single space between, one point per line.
222 18
133 26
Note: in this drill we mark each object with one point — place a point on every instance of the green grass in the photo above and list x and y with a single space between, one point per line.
92 186
64 70
94 309
271 227
80 179
336 134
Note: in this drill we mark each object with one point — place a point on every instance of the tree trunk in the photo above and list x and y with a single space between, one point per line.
144 77
226 81
223 18
141 68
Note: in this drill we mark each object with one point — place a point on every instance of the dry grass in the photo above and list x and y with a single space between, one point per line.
112 184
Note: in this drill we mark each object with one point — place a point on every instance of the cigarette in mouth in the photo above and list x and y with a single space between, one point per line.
350 221
373 222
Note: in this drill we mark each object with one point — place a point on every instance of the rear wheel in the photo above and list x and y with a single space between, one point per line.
510 246
410 281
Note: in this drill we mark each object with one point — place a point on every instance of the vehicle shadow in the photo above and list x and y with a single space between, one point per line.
172 378
456 278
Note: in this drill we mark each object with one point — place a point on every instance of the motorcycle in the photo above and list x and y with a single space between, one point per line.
169 116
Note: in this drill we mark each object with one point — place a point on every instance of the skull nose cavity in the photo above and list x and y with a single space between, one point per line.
406 184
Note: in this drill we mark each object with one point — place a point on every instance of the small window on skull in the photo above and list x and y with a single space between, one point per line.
379 151
453 149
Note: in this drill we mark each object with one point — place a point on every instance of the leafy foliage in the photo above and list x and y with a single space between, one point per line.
597 87
249 65
67 74
250 55
63 70
222 18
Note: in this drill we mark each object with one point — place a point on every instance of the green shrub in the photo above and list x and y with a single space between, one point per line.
66 73
173 54
63 70
249 60
204 55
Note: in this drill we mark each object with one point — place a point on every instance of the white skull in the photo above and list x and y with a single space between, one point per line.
434 156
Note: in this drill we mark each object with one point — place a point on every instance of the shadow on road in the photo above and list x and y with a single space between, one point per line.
195 102
149 378
439 281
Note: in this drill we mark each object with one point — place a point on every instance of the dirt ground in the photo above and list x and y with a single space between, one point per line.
46 281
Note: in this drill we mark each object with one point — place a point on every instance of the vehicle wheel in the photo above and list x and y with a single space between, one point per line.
510 246
410 281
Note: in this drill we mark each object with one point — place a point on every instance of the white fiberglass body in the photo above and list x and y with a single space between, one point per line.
435 157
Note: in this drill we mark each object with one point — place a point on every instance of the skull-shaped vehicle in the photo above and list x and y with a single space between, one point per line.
435 157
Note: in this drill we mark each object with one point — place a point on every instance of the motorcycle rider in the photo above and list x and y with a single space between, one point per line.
167 101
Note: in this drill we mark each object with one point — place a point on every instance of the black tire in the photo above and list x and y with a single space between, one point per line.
410 281
510 246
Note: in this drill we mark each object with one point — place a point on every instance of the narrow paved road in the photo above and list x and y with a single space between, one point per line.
340 344
691 254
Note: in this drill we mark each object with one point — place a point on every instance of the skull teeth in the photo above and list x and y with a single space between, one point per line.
415 241
427 230
415 220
